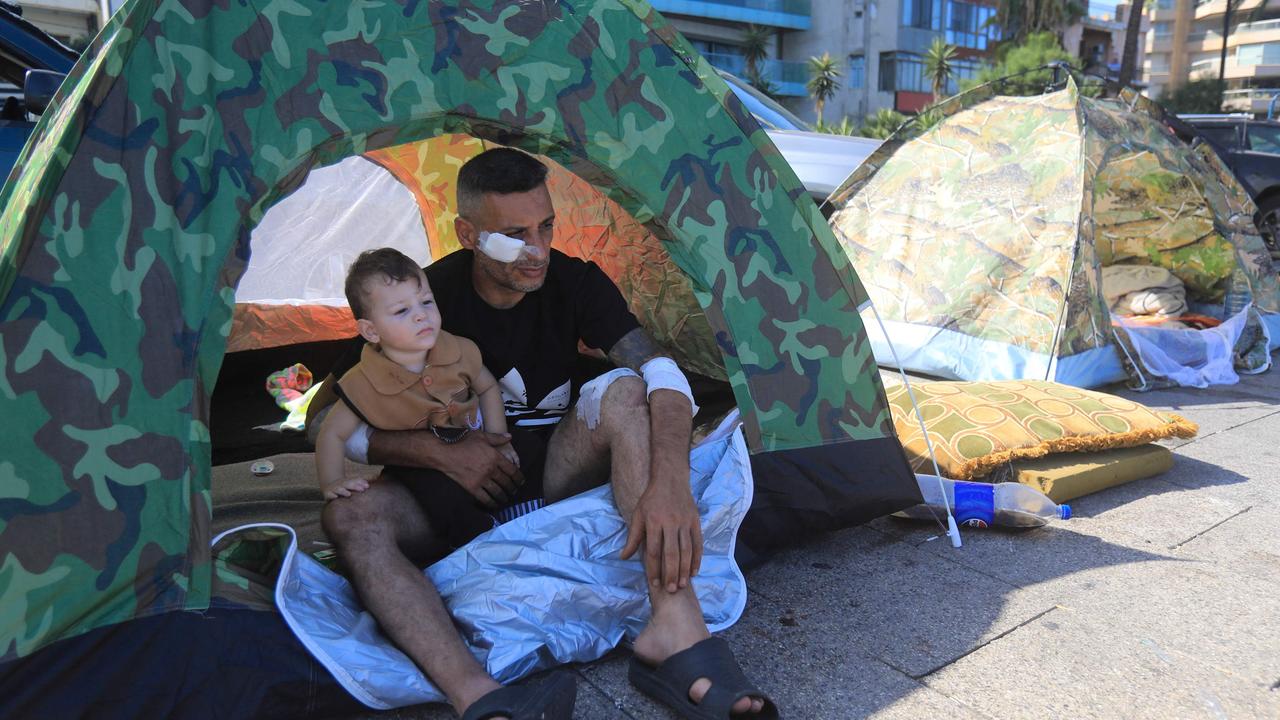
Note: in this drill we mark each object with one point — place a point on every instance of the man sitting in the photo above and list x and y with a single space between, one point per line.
527 306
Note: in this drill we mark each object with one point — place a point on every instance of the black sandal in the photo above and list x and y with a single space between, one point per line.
669 683
551 699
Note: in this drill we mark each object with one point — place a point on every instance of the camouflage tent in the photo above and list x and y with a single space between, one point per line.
981 239
123 238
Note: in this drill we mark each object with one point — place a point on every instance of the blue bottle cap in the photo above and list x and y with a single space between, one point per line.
1065 511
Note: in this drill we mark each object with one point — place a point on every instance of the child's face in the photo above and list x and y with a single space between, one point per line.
402 316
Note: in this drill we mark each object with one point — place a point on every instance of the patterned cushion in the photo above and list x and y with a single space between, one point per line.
977 426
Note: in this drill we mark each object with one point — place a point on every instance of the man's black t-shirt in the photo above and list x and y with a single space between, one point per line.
532 347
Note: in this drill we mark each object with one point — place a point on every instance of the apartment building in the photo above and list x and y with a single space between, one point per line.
70 21
1098 40
1185 43
879 44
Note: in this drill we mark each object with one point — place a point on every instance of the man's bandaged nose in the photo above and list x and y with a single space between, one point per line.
505 249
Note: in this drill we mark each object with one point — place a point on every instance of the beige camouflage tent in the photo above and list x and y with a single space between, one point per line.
981 239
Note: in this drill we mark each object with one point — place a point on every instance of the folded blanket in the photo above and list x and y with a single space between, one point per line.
1143 290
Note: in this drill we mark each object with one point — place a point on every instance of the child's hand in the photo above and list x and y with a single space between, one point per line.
344 487
509 453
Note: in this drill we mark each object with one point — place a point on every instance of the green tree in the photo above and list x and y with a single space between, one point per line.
846 126
1197 96
824 80
755 50
882 124
1020 19
938 66
1023 65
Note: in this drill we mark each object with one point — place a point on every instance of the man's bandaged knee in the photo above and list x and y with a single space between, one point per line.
662 373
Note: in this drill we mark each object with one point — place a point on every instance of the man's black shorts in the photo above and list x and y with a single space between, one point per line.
453 505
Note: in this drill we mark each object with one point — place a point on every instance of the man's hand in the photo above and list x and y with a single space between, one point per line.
666 521
475 462
479 465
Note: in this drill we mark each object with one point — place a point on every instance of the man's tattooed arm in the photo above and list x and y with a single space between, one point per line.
635 349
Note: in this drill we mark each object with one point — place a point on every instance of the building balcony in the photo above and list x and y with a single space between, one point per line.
790 14
785 78
1250 100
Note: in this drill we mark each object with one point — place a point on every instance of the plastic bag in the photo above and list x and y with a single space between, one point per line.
1191 358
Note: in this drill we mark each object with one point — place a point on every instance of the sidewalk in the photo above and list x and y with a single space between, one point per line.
1158 599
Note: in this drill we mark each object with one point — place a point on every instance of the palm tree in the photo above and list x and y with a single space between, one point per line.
824 80
938 67
1020 18
882 124
755 50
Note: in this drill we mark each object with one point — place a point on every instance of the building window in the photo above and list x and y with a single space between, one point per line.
1165 4
971 26
722 55
857 70
1162 29
905 71
1258 54
923 14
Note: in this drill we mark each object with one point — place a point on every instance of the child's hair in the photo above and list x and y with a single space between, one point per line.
387 263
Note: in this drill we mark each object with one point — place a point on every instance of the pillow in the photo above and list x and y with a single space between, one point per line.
976 427
1067 476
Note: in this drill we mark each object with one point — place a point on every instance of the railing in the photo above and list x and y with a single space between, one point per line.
1203 69
786 7
787 77
1258 26
1250 94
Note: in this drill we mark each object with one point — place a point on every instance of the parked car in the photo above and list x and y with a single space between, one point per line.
820 160
1251 148
34 64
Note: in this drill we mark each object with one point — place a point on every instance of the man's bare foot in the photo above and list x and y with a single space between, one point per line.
674 628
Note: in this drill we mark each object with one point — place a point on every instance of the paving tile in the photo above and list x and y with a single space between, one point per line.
1251 451
1247 543
1032 557
1159 514
1070 664
895 601
1202 610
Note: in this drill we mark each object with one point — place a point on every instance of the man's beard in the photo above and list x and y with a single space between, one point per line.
505 276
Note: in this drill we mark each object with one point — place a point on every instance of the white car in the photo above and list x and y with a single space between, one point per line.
821 160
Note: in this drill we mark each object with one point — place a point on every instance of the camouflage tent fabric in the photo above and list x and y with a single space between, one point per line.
981 238
122 240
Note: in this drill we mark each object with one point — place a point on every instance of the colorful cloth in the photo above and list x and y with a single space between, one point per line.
292 389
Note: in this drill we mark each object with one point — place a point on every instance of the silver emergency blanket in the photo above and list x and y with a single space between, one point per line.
545 589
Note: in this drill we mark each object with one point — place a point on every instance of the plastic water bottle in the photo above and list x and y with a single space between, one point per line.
977 504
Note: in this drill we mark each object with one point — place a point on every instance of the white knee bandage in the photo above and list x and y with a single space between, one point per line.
662 373
658 374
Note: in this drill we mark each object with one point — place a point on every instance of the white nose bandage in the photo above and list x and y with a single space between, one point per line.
505 249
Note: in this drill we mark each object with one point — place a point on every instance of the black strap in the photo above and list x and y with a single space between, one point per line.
342 395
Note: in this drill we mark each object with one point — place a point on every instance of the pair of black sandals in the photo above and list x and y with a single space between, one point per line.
668 683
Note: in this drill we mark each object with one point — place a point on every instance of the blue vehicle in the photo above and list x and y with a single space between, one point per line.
34 62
